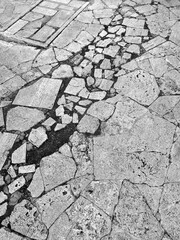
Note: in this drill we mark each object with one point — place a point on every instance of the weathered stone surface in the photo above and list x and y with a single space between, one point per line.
138 85
103 194
19 155
26 220
175 34
23 118
36 181
169 209
133 215
88 124
60 229
56 169
3 209
82 151
3 197
53 204
6 142
38 136
44 58
88 220
101 110
41 94
62 55
9 235
64 71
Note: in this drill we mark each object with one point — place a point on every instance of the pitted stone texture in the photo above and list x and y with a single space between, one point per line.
88 220
6 142
26 220
88 124
64 71
134 216
23 118
82 151
60 229
101 110
54 203
56 169
138 85
170 209
41 94
103 194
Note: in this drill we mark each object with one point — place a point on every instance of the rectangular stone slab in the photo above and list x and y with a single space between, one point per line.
41 94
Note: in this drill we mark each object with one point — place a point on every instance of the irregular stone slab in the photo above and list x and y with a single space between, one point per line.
164 104
103 13
169 83
64 71
6 142
170 209
103 194
38 136
26 220
3 197
5 74
131 22
88 124
101 110
19 155
112 161
125 114
88 220
111 51
16 184
23 118
138 85
153 43
36 181
62 55
65 150
75 86
41 94
9 235
3 209
44 58
175 34
134 215
80 183
152 196
53 204
60 229
56 169
27 169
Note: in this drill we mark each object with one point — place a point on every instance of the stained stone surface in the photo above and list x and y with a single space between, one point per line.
89 123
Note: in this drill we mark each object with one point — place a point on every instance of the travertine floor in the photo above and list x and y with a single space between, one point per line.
90 137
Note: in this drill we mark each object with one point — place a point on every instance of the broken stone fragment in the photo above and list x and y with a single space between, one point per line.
22 118
49 123
64 71
62 55
38 136
11 172
16 184
6 142
25 219
65 150
3 209
52 204
36 181
19 155
56 169
59 126
75 86
3 197
88 124
45 57
26 169
101 110
66 119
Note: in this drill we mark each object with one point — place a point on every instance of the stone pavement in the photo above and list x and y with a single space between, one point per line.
89 126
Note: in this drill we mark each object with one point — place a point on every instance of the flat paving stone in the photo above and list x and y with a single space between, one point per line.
19 155
23 118
41 94
56 169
